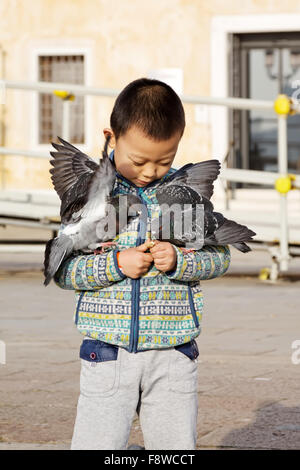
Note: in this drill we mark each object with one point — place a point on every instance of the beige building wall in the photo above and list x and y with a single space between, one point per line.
124 39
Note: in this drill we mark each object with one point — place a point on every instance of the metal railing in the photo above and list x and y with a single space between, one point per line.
282 106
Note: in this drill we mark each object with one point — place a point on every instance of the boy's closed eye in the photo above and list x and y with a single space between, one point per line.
143 163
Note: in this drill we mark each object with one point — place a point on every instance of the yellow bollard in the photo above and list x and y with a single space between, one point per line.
64 95
284 184
282 104
264 274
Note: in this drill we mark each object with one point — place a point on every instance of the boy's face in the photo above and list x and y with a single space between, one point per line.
140 159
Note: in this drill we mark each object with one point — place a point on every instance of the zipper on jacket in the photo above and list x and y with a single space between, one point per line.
134 327
134 330
192 306
78 305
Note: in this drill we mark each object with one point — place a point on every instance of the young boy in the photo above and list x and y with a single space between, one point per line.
140 309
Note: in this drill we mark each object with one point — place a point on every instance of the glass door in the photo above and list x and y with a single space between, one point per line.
263 65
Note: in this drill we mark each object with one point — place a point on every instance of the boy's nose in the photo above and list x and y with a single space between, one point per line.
148 176
149 173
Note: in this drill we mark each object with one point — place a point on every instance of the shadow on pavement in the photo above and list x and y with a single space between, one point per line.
275 427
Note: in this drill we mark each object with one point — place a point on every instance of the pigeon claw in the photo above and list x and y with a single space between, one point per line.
187 250
102 246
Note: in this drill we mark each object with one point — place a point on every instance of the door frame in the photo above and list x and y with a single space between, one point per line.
221 29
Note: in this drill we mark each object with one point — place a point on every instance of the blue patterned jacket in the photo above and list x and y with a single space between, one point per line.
158 310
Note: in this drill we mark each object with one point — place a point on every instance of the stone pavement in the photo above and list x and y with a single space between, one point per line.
248 385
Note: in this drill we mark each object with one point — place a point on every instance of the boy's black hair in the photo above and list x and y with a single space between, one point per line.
152 106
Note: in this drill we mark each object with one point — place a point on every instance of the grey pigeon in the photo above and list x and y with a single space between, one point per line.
188 187
85 189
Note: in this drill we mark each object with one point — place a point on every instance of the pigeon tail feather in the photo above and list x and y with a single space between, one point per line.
57 249
104 151
232 233
242 247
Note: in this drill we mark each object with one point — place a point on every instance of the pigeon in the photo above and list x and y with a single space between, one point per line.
85 189
188 188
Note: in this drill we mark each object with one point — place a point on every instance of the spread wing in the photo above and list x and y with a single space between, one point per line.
199 176
73 175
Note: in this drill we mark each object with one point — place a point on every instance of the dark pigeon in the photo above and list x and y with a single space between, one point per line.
85 189
189 187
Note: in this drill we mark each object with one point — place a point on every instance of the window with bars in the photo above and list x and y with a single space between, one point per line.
60 69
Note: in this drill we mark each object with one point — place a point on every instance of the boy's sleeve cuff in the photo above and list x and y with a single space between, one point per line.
181 266
118 274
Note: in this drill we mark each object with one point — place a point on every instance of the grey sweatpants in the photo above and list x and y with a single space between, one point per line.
161 385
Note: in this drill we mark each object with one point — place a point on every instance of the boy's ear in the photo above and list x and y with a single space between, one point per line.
107 131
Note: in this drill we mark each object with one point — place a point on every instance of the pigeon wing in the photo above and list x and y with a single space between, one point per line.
72 175
199 176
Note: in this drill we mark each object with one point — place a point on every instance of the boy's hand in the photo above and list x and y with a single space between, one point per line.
164 256
134 262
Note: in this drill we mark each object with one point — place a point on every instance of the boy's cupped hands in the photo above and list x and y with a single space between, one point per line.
164 256
136 261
